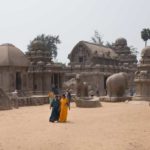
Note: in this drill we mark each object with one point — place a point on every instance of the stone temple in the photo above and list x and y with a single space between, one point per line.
13 68
34 73
43 74
96 63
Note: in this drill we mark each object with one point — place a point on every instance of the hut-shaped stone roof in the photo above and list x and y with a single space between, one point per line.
100 50
94 50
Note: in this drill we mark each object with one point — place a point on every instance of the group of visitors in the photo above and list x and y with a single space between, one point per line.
59 106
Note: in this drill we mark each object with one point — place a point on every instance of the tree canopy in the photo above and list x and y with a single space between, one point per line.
133 50
97 38
145 35
46 43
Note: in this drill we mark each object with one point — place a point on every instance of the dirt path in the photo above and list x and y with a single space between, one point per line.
115 126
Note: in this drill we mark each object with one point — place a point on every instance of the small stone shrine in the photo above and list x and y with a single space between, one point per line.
83 99
82 88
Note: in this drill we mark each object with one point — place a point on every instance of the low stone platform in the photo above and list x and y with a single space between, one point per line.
143 102
87 102
114 99
33 100
140 98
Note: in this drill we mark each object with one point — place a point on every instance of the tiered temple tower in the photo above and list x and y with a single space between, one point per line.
127 59
44 75
124 52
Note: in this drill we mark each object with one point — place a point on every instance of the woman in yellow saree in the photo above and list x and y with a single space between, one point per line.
64 104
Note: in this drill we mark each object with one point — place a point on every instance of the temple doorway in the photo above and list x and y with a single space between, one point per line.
18 80
105 87
56 82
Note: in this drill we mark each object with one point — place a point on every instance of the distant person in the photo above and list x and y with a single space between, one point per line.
97 92
64 105
55 89
15 99
55 105
131 92
50 96
69 97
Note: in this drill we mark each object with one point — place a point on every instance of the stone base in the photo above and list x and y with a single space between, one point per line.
134 102
114 99
140 98
88 102
33 100
5 108
26 101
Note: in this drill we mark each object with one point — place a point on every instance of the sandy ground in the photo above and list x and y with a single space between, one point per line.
114 126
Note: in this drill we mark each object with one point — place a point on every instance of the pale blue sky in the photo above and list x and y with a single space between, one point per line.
73 20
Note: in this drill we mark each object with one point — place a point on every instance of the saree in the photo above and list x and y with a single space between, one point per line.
63 109
55 104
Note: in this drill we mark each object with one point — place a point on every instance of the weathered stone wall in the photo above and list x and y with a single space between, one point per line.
5 102
32 101
5 79
8 78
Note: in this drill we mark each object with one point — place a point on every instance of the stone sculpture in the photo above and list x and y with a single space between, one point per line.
83 99
82 87
116 85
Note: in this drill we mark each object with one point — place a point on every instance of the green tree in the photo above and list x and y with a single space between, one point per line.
97 38
109 45
133 50
45 42
145 35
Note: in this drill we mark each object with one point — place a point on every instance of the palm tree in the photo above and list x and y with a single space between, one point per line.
145 35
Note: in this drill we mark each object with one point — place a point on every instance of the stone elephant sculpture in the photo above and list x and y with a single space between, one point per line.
116 84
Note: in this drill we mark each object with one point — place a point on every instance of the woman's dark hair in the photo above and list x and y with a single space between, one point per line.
63 95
